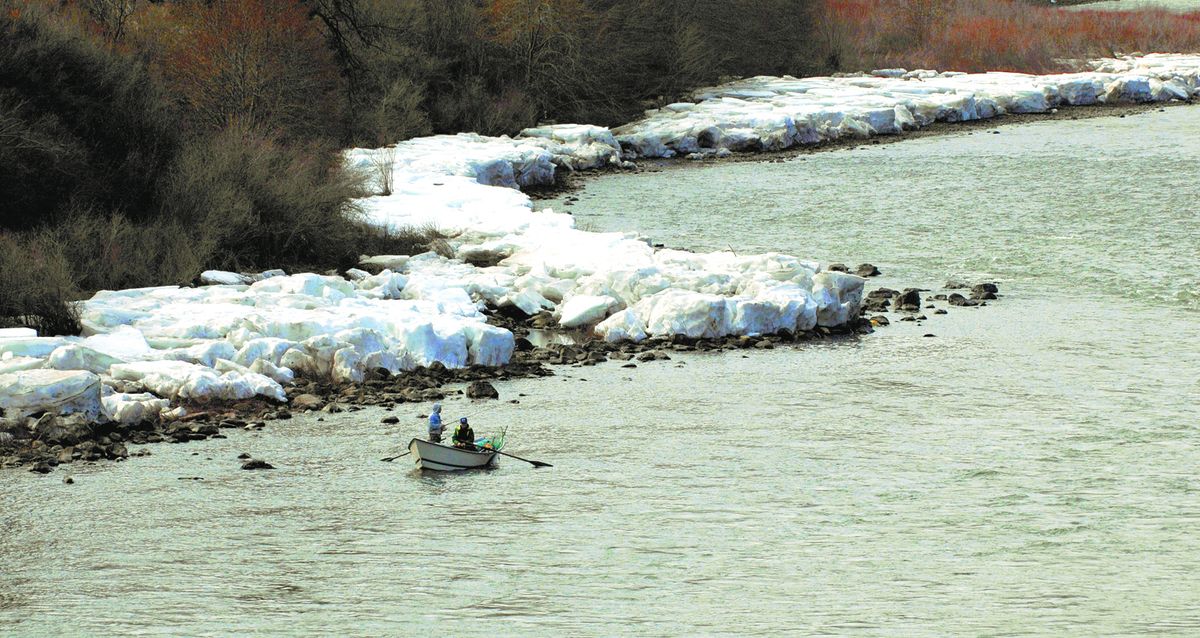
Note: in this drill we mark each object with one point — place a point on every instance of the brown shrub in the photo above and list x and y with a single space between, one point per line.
38 287
990 35
255 203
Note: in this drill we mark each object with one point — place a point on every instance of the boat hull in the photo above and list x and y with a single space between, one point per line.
443 458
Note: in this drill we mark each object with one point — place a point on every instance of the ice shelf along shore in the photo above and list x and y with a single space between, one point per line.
145 351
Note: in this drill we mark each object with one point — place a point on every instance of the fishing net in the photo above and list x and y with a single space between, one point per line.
495 441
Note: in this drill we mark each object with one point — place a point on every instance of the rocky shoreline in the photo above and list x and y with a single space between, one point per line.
45 441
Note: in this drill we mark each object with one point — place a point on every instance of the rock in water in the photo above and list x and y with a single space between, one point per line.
257 464
956 299
909 301
482 390
390 420
867 270
984 291
876 304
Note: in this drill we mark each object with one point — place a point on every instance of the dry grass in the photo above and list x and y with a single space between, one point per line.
383 163
991 35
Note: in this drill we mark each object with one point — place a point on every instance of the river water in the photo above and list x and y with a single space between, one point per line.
1030 470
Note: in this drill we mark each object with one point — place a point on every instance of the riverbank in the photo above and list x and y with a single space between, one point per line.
569 182
156 351
45 441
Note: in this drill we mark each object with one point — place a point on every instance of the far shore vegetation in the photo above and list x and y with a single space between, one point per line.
142 142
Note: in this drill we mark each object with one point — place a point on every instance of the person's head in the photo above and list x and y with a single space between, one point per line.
463 420
437 408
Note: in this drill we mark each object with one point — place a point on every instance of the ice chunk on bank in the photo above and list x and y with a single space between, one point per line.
133 408
189 381
585 310
221 277
54 391
79 357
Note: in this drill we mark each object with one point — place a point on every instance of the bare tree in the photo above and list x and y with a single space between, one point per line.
112 15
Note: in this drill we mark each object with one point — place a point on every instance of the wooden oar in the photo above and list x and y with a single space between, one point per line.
393 458
533 463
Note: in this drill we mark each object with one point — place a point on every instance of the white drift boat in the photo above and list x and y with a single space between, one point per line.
433 456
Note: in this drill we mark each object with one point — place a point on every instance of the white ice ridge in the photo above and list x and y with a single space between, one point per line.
772 113
527 160
233 341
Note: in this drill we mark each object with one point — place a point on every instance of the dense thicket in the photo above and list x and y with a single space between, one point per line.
141 141
129 159
990 35
77 123
495 66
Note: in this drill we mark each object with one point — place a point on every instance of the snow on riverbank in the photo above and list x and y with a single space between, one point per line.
241 336
773 113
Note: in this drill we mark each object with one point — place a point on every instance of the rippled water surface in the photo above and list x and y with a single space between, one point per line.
1032 469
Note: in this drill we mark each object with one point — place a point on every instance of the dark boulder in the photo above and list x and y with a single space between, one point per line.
41 467
377 374
867 270
523 345
513 312
839 268
62 431
659 355
908 301
984 291
389 420
205 429
482 390
257 464
959 300
876 304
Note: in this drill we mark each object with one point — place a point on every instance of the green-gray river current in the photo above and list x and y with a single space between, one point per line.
1031 470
